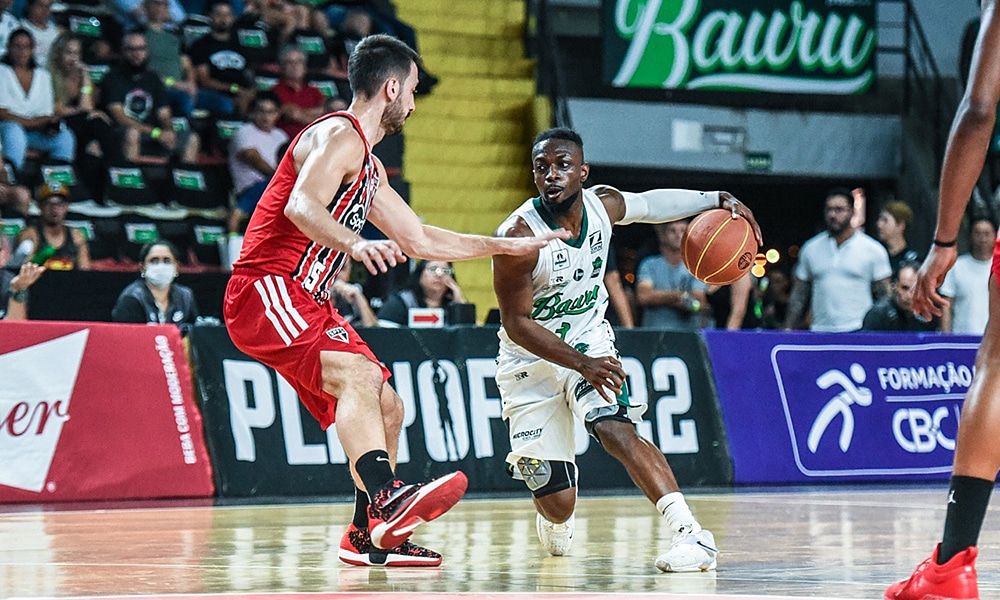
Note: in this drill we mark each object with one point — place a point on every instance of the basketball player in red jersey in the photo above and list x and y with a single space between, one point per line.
950 572
278 309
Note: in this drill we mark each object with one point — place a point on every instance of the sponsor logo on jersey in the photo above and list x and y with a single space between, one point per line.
339 334
598 263
583 387
530 434
596 242
560 259
555 305
520 376
578 275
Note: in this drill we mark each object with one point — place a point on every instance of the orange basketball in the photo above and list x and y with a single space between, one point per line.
717 248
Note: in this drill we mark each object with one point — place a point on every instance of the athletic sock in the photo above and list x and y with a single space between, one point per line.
968 498
360 508
374 470
675 510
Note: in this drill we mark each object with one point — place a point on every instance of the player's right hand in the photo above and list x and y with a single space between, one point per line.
519 246
378 256
926 299
606 374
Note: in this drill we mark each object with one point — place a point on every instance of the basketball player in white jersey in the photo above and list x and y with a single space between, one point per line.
558 359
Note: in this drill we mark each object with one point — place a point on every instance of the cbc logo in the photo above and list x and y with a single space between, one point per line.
919 431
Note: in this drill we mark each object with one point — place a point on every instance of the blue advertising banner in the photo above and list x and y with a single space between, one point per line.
807 407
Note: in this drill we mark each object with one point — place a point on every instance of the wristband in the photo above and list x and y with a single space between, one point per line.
169 82
87 89
234 89
941 244
21 296
155 133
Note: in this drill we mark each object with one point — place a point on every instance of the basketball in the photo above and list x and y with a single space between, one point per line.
717 248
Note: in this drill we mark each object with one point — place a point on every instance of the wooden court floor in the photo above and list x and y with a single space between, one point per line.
831 542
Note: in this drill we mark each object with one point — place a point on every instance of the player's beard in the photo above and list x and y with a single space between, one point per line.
557 209
394 117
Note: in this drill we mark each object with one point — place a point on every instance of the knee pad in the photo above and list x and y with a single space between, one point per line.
608 413
544 477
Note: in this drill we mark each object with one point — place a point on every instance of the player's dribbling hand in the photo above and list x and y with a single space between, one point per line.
730 202
605 373
378 256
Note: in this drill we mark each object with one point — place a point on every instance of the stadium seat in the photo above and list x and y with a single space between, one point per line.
136 232
133 185
200 188
192 28
313 45
207 235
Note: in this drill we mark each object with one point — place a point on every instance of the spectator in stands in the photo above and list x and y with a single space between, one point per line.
38 22
137 101
669 294
431 285
8 22
966 286
896 312
74 99
617 297
15 200
132 14
166 59
300 102
732 306
277 18
155 298
350 301
893 221
253 156
27 110
775 289
49 241
14 291
840 274
223 73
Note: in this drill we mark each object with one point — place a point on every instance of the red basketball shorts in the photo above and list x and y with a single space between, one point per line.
272 319
995 266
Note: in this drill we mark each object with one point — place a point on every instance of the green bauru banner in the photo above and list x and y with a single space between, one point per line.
795 47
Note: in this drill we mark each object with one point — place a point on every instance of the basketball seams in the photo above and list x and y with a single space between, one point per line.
709 235
736 256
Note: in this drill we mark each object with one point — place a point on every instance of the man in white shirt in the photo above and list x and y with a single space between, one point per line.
966 285
842 270
38 21
8 23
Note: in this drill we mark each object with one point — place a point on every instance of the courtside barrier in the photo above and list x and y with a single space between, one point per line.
264 443
811 407
91 411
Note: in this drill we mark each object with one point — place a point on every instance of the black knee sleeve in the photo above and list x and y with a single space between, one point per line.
544 477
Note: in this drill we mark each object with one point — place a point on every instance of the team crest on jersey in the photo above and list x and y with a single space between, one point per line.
598 263
596 242
339 334
560 259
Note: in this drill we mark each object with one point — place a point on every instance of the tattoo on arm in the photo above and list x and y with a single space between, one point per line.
797 302
881 289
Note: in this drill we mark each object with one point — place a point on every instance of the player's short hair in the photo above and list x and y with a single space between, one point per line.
374 60
559 133
900 211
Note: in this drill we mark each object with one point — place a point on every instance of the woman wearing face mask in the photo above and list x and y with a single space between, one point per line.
155 298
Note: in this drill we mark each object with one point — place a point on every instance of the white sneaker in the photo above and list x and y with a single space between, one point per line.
555 537
689 552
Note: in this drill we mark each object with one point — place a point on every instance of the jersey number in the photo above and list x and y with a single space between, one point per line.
563 330
313 278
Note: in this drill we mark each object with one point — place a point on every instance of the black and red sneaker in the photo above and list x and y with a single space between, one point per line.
399 508
356 548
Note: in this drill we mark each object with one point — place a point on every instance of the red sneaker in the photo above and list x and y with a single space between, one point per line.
954 580
356 548
398 508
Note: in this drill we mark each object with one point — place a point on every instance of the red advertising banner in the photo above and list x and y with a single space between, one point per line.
92 411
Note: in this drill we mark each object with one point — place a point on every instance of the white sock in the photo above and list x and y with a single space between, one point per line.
675 510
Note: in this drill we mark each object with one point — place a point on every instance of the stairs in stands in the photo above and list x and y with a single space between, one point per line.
467 142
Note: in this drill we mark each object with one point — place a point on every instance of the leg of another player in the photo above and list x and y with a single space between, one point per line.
692 548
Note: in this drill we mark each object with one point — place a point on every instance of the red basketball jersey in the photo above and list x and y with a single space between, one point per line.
273 244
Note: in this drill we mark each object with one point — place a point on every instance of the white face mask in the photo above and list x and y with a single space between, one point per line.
160 274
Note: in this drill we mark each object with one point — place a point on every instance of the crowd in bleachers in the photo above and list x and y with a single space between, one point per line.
160 119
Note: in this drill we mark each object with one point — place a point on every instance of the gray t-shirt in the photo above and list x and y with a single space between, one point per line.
665 276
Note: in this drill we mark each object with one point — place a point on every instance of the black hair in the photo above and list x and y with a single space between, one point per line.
840 191
413 282
265 96
559 133
148 247
374 60
212 3
906 264
32 64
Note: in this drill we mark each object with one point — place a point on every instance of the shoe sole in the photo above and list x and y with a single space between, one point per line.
698 569
386 560
430 502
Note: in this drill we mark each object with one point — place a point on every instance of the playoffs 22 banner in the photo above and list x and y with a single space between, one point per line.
263 441
845 407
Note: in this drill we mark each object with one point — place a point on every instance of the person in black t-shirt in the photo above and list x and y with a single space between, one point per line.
137 101
156 298
225 81
895 313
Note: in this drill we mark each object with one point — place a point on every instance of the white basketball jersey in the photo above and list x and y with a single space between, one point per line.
569 294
